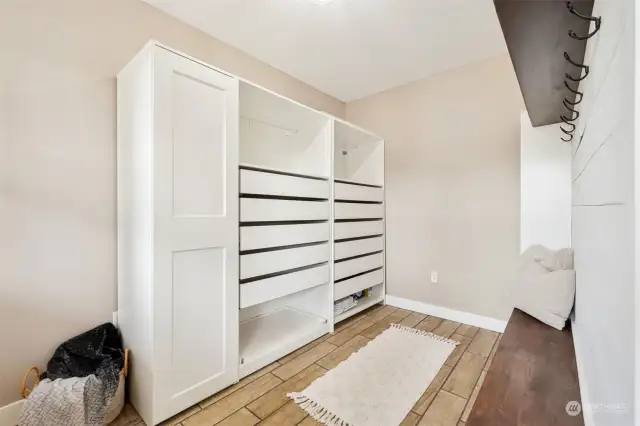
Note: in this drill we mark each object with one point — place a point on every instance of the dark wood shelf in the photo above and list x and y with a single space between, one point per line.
536 36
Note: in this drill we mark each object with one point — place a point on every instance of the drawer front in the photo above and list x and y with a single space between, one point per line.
257 237
358 229
261 291
353 285
258 210
355 266
255 182
253 265
358 211
344 191
357 247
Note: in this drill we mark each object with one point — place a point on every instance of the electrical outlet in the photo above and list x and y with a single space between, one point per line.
434 277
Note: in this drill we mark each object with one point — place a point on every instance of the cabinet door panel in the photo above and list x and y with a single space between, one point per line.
195 323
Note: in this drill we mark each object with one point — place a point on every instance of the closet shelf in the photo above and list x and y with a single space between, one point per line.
255 167
272 336
362 304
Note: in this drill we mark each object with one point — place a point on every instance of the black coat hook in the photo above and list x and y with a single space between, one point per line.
568 122
575 92
574 63
571 103
566 132
573 111
597 20
568 76
567 140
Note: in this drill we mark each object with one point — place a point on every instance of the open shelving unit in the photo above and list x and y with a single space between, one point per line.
285 233
359 213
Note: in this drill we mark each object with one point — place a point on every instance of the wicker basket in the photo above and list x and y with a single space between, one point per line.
117 402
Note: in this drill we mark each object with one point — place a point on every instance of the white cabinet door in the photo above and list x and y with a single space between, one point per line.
195 323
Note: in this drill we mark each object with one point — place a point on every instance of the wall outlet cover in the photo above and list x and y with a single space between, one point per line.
434 276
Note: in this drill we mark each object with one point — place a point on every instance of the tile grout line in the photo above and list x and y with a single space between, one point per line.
448 375
257 416
245 405
434 397
227 396
240 388
283 381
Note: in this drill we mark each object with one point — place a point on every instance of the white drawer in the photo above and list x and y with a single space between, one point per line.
253 265
257 237
357 247
259 209
358 211
345 191
355 266
357 229
255 182
356 284
261 291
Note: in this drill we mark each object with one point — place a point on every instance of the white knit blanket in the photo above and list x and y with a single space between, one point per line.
379 384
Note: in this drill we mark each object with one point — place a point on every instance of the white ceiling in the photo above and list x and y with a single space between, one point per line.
350 48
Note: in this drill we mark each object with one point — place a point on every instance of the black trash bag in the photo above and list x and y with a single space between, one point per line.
98 351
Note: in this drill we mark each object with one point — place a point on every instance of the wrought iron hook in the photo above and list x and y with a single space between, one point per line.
567 121
566 132
597 20
574 63
571 103
586 73
575 92
567 140
573 111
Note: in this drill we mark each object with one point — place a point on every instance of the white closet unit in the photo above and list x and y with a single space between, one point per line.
242 217
285 226
177 230
358 217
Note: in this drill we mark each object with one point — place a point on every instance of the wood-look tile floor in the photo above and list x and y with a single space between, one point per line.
260 398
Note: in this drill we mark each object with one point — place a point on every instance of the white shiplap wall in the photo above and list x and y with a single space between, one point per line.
603 220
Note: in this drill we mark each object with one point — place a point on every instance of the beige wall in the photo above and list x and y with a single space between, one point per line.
453 185
57 156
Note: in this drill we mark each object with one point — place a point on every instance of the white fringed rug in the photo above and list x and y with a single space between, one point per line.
379 384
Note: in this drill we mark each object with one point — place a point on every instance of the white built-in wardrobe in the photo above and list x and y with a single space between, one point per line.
242 217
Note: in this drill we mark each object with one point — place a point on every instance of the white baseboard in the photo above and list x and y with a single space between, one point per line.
446 313
10 414
587 414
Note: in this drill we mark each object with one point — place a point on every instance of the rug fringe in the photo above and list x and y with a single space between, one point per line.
316 410
424 333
